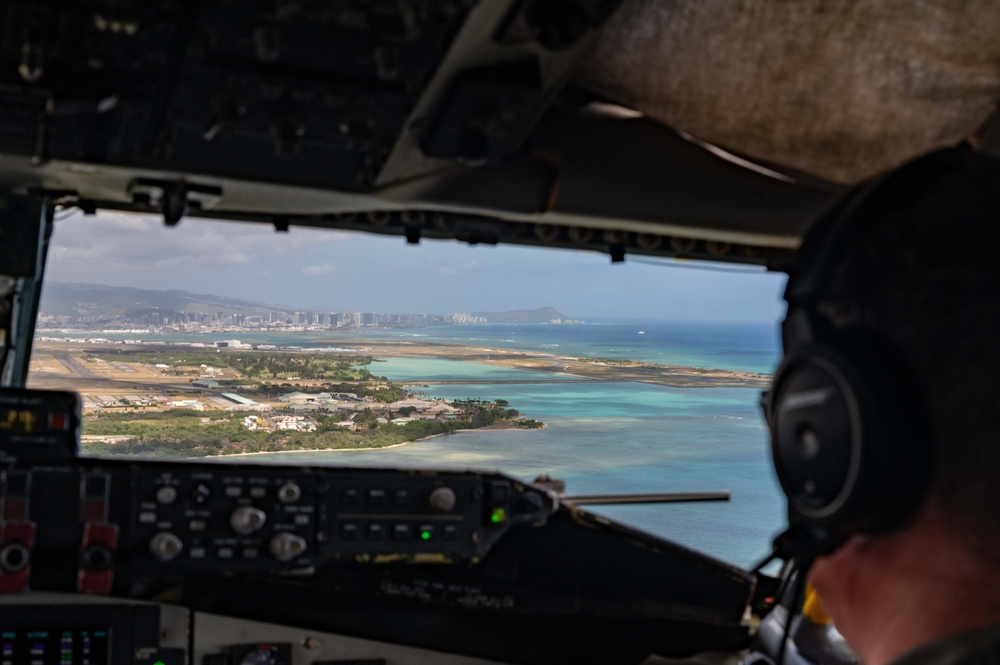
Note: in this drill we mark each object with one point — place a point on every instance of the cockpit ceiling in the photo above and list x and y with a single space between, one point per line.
736 122
843 90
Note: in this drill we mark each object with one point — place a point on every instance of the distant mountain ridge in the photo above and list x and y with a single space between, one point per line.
63 299
92 302
540 315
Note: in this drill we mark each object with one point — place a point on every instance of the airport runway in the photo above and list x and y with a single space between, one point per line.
74 367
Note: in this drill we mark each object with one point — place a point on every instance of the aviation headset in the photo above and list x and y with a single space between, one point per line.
849 435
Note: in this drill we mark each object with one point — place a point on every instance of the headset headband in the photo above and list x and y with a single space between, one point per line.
825 243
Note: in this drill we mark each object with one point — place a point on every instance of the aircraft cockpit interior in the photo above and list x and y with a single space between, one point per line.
703 132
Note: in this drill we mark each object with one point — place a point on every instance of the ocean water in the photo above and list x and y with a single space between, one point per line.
613 437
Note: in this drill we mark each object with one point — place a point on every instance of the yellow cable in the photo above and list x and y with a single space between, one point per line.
812 609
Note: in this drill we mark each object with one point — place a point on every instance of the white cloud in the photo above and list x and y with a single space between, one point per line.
316 271
460 270
87 248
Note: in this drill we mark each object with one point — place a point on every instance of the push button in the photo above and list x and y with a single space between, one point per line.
96 487
349 496
348 531
201 493
449 533
376 532
500 492
401 532
376 497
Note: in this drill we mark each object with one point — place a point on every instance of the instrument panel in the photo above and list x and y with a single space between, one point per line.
97 521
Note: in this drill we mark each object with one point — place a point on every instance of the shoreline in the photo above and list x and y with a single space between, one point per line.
367 449
315 450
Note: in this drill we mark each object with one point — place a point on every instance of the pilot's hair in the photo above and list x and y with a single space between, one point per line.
926 275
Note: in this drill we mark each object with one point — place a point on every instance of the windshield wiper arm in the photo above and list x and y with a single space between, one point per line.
656 497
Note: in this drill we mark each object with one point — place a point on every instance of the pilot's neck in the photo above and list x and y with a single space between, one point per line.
891 594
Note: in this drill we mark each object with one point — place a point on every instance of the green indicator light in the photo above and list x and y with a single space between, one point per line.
498 515
159 662
425 535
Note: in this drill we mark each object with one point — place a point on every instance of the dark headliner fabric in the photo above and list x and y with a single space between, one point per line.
840 89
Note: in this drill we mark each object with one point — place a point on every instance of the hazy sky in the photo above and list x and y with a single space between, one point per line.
319 269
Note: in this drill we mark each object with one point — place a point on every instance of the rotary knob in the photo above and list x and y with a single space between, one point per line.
166 495
289 493
442 499
165 546
247 519
286 546
97 558
14 557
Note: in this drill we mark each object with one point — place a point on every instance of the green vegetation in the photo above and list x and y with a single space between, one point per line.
259 365
251 364
190 433
182 433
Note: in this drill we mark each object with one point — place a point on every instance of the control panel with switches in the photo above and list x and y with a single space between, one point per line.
118 522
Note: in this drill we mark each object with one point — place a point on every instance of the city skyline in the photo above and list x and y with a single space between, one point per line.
324 270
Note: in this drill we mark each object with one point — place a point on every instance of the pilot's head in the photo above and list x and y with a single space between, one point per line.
884 413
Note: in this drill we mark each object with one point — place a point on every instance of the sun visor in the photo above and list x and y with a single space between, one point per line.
840 90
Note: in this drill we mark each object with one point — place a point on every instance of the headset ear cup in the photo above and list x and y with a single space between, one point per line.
816 434
846 438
